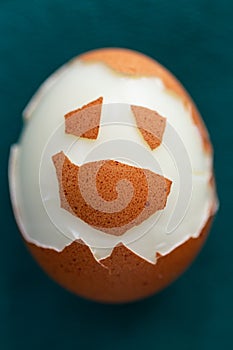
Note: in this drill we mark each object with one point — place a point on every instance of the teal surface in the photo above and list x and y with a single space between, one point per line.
194 39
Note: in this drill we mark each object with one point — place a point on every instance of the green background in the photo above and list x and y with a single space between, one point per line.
194 39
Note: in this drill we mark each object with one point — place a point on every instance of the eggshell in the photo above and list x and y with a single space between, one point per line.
122 277
130 206
137 64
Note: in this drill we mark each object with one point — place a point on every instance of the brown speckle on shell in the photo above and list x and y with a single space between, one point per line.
85 121
150 124
108 195
123 276
136 64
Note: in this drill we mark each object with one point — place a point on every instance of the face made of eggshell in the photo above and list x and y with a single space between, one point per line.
116 86
89 192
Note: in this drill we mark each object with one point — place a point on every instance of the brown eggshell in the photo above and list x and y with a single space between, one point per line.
84 121
120 278
137 64
143 203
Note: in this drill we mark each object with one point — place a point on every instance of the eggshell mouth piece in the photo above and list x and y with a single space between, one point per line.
33 186
109 195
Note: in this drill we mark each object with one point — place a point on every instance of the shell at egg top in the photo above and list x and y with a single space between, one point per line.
127 83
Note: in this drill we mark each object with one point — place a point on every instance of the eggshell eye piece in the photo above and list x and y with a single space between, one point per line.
112 181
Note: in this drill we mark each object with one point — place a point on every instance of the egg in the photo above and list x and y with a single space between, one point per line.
112 181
